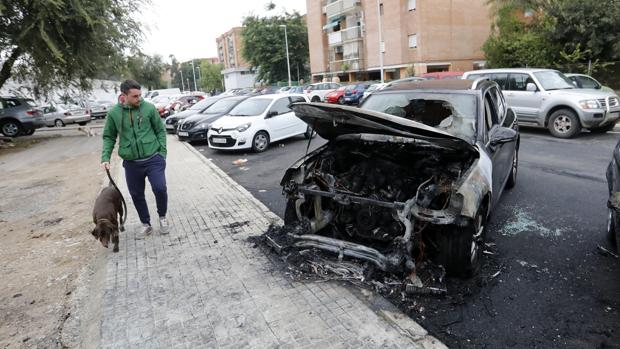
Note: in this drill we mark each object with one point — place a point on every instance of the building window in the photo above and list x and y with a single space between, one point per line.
411 5
413 41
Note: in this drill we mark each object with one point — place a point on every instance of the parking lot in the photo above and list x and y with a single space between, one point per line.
554 288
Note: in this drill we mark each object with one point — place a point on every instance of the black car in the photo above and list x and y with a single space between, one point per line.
19 116
613 203
414 172
195 127
173 120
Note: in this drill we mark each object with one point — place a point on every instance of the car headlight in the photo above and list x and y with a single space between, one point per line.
589 104
244 127
202 125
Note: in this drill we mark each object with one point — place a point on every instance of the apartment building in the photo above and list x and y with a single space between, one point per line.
237 72
348 39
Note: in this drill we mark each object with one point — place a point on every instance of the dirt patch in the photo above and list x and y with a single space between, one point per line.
45 242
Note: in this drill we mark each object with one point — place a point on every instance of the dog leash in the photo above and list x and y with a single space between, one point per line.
124 218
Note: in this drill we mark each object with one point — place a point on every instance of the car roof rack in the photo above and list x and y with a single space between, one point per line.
479 80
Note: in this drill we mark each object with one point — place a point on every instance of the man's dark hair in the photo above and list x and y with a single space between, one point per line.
128 85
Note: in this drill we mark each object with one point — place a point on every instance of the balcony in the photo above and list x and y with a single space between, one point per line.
340 7
346 65
334 38
343 36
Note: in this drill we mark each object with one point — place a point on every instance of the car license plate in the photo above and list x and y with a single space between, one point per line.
218 140
170 127
183 134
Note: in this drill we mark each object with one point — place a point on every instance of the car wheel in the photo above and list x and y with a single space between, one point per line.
460 249
340 100
315 99
564 123
512 179
309 132
11 128
603 129
82 123
28 132
260 142
59 123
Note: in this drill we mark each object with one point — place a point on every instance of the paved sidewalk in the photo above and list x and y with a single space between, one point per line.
205 286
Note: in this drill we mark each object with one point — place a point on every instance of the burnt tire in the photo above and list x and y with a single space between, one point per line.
512 178
290 215
563 123
460 250
11 128
260 142
603 129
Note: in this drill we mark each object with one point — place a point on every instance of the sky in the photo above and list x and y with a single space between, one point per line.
188 28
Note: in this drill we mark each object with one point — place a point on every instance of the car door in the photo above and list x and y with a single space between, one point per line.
526 104
277 118
500 153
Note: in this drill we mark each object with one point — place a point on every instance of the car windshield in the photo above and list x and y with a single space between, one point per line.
202 104
451 112
250 107
553 80
221 106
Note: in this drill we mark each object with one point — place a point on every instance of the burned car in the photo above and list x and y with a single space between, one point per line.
413 173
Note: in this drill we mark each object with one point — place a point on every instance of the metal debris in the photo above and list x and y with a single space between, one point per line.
606 252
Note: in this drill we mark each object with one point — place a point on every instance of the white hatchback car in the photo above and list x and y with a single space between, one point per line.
258 121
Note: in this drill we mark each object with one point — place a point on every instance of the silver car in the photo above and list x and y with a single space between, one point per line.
60 115
547 98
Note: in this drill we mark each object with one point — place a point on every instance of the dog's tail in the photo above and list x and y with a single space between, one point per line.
124 218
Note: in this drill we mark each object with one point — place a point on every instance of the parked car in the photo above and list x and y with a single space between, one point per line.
372 88
179 104
354 93
97 109
586 81
297 90
336 96
257 122
161 102
613 201
196 127
547 98
173 120
60 115
316 92
422 156
443 75
19 116
162 92
284 89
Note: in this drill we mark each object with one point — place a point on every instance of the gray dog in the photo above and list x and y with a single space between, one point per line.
107 215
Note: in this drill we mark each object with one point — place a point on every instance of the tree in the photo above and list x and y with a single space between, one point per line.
264 46
211 76
146 70
65 42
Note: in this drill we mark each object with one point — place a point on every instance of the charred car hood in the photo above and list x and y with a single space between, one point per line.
331 121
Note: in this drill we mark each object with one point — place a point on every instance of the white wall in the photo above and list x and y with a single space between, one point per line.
234 79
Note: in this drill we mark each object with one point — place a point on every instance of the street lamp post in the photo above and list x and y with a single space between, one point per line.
381 48
194 73
288 64
182 83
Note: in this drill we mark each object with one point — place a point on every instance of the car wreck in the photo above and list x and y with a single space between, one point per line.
413 174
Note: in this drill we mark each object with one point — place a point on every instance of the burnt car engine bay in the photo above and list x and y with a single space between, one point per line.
376 199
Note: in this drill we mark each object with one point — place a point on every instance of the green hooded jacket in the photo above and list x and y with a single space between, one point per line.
140 129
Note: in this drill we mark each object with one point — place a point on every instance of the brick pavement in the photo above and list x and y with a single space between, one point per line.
205 286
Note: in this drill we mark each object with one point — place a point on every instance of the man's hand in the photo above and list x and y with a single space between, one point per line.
105 166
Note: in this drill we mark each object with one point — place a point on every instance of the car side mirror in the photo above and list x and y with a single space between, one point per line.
575 83
271 114
503 135
531 87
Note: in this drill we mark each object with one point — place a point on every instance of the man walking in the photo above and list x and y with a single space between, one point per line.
142 146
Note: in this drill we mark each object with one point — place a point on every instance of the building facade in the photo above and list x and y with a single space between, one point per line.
415 37
237 72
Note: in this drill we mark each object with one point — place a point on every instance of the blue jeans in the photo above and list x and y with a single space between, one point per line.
155 169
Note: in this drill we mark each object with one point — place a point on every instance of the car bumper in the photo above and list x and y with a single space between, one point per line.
599 117
76 119
351 100
230 140
190 136
33 124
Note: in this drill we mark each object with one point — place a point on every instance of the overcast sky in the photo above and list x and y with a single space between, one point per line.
188 28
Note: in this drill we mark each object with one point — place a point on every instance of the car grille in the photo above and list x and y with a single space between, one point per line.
217 130
613 102
229 141
187 125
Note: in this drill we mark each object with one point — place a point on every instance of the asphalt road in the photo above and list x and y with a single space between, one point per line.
554 289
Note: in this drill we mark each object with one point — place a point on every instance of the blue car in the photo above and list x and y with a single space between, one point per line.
354 93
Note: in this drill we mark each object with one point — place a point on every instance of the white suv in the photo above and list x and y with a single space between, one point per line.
547 98
316 92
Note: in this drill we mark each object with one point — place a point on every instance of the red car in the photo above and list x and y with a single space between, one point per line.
336 96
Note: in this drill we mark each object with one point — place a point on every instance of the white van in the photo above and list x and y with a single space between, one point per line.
162 92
